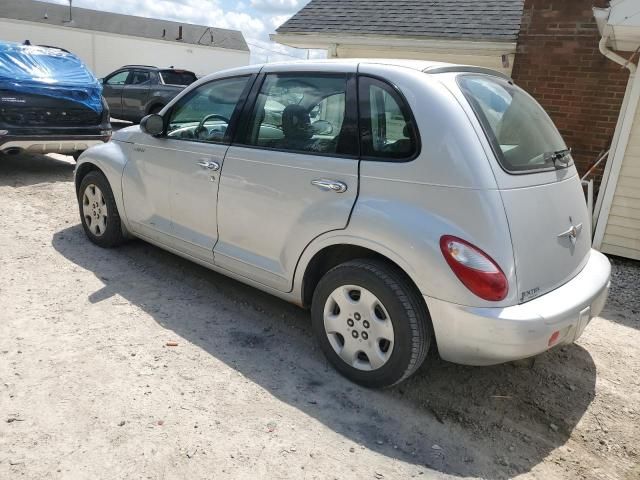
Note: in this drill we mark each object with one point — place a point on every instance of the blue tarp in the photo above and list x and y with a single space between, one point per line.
48 71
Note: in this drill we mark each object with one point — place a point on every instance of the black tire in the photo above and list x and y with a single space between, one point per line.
407 312
111 236
155 109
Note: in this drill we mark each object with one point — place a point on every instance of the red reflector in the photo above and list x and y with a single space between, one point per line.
554 337
474 268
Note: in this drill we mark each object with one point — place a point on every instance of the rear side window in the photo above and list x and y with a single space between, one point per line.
387 130
177 77
522 135
303 113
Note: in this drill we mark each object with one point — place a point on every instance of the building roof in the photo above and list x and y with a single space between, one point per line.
151 28
486 20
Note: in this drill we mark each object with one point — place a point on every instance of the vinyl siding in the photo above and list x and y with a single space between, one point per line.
622 235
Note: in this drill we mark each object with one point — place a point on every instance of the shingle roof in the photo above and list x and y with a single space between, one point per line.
52 14
494 20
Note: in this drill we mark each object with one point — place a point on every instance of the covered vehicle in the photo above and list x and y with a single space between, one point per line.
50 102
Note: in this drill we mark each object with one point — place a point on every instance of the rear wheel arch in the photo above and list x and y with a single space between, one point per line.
333 255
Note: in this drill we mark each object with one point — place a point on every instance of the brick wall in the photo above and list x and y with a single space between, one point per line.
558 62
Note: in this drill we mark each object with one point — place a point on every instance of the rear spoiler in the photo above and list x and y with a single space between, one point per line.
466 69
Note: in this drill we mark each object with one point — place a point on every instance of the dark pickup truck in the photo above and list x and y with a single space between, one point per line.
135 91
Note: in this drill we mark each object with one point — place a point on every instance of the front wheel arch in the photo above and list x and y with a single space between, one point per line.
82 170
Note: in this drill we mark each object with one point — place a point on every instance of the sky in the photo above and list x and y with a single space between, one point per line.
256 19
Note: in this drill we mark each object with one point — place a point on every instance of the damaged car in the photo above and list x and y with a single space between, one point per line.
50 102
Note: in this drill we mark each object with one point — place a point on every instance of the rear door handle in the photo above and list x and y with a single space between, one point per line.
211 165
330 185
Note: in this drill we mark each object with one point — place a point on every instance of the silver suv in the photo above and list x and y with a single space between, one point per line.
408 204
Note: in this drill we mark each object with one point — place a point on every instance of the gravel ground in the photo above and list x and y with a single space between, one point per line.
90 389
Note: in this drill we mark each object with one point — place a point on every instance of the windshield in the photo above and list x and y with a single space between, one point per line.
523 136
177 77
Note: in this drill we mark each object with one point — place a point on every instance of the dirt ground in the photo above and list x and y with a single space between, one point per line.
89 388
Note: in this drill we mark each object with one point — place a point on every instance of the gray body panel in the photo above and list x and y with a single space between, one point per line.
261 221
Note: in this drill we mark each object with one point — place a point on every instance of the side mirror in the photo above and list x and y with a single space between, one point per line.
152 124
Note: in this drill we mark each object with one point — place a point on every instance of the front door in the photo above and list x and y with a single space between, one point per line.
291 176
136 94
112 88
171 182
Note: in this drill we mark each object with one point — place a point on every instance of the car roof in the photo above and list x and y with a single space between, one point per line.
151 67
420 65
352 63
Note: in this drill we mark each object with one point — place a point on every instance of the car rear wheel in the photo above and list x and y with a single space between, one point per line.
371 323
98 211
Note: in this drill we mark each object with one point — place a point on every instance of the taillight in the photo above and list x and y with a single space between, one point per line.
475 269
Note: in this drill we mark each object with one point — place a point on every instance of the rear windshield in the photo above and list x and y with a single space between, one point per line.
522 135
175 77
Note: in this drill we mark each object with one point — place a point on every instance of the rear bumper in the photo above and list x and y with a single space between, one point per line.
52 144
487 336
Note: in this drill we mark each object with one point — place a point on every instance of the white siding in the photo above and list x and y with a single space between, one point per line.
105 52
622 235
493 61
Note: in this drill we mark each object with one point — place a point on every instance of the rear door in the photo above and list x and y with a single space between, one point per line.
541 191
135 94
112 89
291 175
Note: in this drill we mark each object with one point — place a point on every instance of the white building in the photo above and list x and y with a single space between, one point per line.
471 33
106 41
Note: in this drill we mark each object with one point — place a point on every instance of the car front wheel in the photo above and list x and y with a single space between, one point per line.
98 211
371 322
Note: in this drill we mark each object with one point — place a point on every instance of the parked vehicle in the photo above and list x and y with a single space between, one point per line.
49 102
134 91
408 204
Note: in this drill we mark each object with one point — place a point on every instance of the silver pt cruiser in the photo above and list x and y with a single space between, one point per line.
408 204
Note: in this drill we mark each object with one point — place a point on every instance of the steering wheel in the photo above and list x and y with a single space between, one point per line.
200 126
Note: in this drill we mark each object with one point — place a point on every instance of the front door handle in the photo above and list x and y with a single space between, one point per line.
211 165
330 185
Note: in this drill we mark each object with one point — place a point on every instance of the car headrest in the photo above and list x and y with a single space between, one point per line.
296 124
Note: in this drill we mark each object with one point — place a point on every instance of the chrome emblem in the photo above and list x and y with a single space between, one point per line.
572 233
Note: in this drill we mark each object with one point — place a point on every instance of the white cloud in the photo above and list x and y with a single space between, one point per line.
278 20
277 5
254 18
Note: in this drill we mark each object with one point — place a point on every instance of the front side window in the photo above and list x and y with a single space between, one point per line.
522 135
387 130
205 113
119 78
301 112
